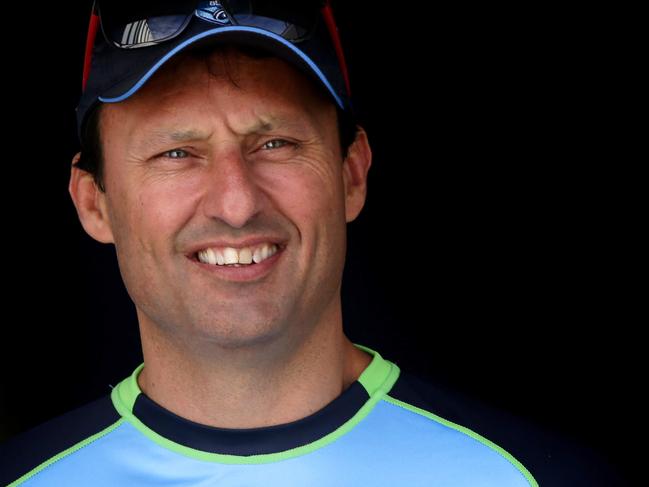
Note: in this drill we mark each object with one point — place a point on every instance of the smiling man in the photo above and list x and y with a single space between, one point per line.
227 205
217 158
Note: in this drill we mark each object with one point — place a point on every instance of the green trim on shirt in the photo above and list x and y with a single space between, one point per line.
508 456
377 378
65 453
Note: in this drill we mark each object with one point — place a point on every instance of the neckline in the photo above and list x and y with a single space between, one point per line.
263 443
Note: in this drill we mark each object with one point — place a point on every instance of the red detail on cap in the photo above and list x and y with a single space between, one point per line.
90 42
333 31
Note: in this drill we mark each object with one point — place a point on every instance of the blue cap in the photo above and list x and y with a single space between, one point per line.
117 73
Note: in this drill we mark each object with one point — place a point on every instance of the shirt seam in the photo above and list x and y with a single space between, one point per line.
467 432
310 447
66 453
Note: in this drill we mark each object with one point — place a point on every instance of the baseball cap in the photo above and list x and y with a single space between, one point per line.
128 41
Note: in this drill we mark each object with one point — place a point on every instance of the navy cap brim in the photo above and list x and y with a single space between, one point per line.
247 36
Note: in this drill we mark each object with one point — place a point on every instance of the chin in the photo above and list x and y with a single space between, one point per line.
240 333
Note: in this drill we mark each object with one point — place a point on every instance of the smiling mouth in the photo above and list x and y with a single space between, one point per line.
232 257
225 268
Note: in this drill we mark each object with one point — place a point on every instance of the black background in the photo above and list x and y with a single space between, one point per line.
488 256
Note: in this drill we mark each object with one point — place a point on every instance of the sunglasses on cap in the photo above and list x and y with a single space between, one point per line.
139 24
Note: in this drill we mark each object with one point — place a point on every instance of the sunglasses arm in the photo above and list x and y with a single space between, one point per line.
93 27
333 31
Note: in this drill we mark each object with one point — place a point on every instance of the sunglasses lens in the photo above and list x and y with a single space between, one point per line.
132 24
292 19
143 23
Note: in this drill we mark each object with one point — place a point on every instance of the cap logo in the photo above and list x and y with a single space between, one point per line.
212 11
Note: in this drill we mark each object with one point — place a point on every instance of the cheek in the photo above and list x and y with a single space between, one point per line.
312 199
306 190
152 212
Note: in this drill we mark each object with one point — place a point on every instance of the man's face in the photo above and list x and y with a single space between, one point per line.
258 163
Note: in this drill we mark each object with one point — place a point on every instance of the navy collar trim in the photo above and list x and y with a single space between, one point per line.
270 442
251 441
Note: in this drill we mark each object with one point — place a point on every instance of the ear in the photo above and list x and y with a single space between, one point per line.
90 203
355 168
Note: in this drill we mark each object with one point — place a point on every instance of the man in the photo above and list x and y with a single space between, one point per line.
214 159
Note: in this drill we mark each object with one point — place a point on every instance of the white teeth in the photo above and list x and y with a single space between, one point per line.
264 252
244 256
231 255
210 255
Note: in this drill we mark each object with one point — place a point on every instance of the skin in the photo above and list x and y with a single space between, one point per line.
225 354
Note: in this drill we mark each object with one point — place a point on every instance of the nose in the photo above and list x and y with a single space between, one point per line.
231 192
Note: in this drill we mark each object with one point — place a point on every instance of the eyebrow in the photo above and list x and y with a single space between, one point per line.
162 137
275 122
150 141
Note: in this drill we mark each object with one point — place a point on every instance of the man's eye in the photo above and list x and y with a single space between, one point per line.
275 144
174 154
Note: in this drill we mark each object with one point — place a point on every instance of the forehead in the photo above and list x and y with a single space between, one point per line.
260 90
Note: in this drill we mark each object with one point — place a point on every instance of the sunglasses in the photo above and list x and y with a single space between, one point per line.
144 23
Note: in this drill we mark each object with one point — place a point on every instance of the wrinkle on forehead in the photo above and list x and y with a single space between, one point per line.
161 135
233 68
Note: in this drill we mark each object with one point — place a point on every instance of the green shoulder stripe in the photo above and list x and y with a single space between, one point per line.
521 468
65 453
